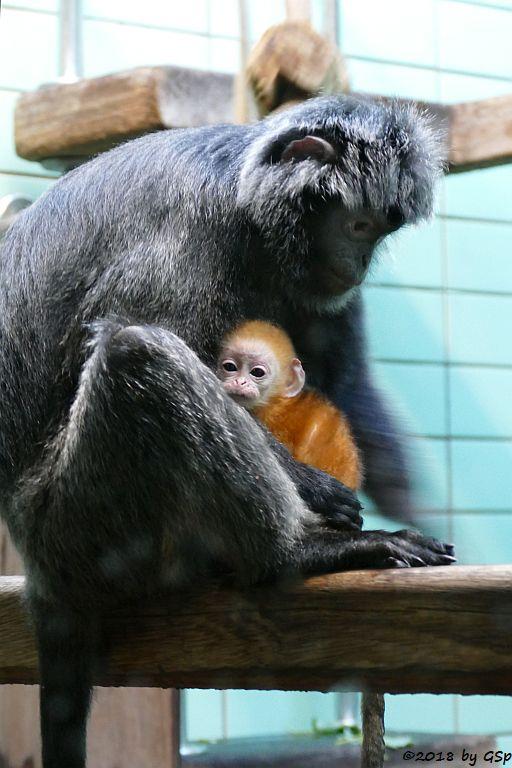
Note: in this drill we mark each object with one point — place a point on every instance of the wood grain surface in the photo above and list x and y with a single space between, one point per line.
83 118
439 630
67 123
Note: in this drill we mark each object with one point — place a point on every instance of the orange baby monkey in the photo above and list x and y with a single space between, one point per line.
259 369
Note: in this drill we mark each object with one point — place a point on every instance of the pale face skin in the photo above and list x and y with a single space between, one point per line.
251 373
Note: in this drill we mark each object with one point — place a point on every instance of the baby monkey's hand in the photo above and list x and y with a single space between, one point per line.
337 505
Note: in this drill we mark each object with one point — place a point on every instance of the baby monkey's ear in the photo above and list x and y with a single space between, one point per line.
309 148
296 378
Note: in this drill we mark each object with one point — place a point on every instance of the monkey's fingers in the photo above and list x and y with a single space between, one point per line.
341 522
344 511
416 550
337 505
414 537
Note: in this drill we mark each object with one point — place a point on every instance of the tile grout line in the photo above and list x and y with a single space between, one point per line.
439 289
427 67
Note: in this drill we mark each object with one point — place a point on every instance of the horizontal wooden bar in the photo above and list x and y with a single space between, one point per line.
480 133
437 630
69 122
80 119
292 61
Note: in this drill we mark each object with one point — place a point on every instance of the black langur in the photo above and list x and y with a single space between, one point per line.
260 370
115 434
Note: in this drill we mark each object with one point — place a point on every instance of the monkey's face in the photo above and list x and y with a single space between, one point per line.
249 373
342 244
340 239
252 372
326 181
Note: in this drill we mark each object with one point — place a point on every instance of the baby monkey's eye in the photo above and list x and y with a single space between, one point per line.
258 372
230 366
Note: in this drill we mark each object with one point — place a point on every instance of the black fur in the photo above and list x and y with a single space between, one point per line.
123 466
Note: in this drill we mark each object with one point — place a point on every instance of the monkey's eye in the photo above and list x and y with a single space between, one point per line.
229 366
258 372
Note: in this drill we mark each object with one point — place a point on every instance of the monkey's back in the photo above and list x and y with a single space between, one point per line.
316 433
141 243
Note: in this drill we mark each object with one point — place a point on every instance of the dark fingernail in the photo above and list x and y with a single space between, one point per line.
395 563
417 561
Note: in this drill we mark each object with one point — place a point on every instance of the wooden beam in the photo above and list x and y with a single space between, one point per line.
480 133
80 119
292 62
437 630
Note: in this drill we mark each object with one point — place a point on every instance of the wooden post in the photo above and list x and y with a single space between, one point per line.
292 62
129 727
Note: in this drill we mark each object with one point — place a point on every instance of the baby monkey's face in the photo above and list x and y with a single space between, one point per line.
252 372
249 373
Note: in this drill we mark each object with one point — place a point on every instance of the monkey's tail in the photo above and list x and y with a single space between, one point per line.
67 647
372 713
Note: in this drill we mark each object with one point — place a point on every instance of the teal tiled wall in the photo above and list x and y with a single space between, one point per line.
446 293
439 299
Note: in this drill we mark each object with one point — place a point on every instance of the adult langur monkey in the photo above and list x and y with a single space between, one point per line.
115 434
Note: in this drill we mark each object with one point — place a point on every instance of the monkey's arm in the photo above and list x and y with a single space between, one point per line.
337 504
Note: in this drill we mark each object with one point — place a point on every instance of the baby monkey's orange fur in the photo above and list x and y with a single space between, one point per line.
314 431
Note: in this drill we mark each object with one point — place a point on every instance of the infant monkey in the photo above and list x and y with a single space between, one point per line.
259 369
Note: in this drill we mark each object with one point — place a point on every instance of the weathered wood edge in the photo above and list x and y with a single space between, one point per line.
83 118
480 133
80 119
438 630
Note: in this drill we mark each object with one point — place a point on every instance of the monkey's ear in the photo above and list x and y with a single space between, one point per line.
296 378
309 148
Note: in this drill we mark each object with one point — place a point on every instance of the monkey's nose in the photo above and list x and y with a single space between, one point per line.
368 227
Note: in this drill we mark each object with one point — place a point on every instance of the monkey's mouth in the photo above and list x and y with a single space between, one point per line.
242 395
338 281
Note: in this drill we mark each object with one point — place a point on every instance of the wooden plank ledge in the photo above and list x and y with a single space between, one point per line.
62 125
437 630
480 133
76 120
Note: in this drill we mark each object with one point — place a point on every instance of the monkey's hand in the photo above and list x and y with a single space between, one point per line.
336 504
406 549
